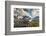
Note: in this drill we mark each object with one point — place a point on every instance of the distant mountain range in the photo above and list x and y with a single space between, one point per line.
27 18
36 18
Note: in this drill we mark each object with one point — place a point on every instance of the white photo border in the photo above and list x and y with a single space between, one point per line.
25 28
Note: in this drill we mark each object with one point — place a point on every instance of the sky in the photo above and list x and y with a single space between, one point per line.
31 12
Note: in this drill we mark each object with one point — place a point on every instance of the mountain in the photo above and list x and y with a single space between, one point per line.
27 18
36 18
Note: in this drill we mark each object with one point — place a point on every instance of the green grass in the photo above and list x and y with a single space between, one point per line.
35 23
